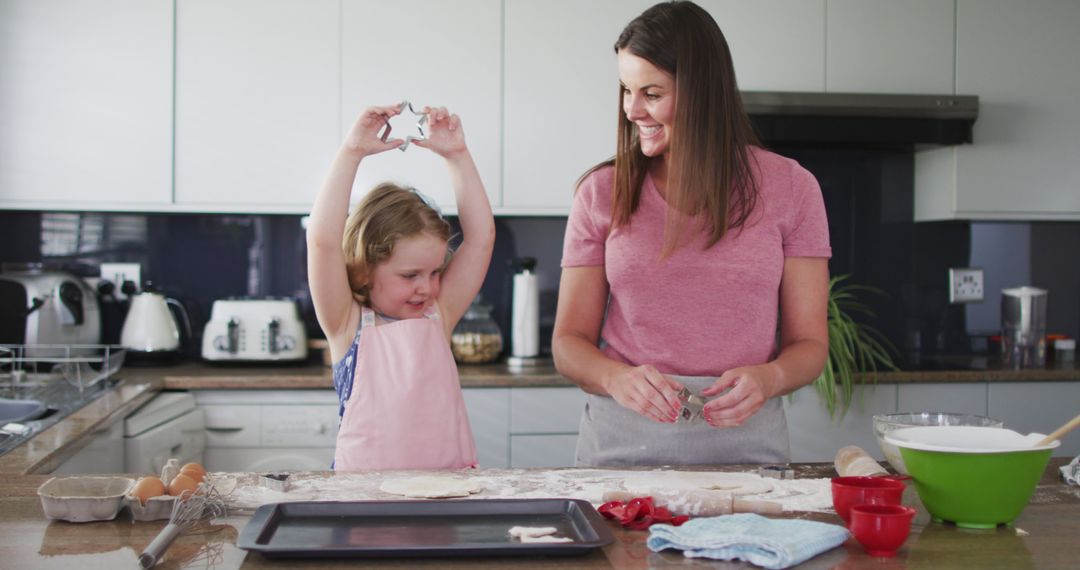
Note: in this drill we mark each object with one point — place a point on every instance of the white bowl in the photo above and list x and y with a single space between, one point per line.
966 439
885 423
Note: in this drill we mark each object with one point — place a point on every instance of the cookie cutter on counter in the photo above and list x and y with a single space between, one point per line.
419 126
693 406
776 472
274 481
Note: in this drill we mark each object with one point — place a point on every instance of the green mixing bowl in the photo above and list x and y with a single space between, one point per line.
976 477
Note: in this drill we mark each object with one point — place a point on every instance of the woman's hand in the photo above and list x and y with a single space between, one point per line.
363 138
643 389
750 387
445 136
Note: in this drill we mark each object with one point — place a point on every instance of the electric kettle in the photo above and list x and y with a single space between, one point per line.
150 329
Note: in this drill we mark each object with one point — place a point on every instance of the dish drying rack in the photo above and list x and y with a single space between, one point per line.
81 365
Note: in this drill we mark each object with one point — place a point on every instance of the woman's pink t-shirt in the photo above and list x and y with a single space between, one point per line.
700 311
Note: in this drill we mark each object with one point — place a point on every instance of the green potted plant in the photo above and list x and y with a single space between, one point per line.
854 347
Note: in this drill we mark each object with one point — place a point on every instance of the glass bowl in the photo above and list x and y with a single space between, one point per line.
884 423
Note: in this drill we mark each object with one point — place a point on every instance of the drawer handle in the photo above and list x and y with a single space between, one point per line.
224 429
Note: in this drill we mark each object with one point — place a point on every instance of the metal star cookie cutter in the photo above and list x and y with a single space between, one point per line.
419 126
693 406
776 471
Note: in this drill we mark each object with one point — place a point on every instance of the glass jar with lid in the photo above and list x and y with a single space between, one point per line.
476 338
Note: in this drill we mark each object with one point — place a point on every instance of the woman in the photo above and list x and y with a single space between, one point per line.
682 255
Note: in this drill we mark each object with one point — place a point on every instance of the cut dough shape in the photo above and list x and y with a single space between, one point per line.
520 531
537 534
528 538
683 481
430 487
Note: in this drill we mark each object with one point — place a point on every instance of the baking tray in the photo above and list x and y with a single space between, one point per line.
383 529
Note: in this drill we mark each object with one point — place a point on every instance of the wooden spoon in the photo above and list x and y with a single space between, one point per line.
1072 424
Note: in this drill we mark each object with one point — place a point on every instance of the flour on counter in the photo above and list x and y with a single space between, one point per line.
587 484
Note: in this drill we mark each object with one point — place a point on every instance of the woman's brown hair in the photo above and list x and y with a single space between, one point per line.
386 214
710 177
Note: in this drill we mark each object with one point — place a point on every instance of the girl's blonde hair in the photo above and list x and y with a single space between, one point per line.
388 213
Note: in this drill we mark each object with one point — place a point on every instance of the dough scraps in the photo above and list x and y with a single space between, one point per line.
684 481
430 487
536 534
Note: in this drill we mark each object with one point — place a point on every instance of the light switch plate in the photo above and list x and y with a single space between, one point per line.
965 285
120 272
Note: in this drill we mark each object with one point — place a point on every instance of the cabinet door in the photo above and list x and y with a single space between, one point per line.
546 410
967 398
777 45
433 53
883 46
489 417
1021 60
814 436
530 451
256 102
86 104
562 90
1041 407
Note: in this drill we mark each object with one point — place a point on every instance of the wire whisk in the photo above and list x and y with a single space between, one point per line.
189 510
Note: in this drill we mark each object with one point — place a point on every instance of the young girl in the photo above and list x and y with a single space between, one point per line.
388 292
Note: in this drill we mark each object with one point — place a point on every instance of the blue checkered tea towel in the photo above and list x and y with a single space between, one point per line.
769 543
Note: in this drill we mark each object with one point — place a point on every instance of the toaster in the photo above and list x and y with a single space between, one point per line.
254 329
40 306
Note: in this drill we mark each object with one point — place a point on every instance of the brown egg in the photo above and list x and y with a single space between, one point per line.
194 470
182 483
146 488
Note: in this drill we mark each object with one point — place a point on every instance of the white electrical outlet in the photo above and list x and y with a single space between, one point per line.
120 272
965 285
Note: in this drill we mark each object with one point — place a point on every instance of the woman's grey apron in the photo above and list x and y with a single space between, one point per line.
613 436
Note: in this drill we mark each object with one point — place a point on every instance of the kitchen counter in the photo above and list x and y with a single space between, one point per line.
1041 539
138 385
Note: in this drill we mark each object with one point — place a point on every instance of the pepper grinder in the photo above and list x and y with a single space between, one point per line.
525 314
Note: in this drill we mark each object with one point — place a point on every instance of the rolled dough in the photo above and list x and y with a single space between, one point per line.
537 534
430 487
683 481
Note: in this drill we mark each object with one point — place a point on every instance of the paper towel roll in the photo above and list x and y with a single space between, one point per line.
525 314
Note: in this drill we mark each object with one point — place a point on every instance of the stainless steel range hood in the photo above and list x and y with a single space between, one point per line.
856 119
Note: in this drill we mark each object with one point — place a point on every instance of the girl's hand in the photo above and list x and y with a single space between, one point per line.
445 135
363 137
749 390
643 389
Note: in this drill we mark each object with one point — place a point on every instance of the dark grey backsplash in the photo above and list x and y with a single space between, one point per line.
868 193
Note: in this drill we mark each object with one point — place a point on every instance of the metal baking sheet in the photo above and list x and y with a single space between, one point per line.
383 529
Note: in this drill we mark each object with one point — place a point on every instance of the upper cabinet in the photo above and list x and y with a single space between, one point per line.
885 46
446 54
86 104
256 102
562 85
1022 60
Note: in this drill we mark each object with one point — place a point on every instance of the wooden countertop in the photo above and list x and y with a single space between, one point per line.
1042 538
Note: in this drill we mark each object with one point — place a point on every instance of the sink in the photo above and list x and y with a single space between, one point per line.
20 410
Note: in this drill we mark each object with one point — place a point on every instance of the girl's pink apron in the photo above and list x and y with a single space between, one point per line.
406 410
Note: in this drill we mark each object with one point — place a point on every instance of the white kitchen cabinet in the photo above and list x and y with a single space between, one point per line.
528 451
562 91
814 436
257 93
959 398
1021 59
86 104
433 53
489 417
103 454
544 426
884 46
1037 407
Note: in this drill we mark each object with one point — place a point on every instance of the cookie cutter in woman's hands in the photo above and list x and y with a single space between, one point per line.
693 406
419 135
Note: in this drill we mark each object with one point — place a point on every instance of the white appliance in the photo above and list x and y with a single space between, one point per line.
168 427
269 430
150 326
248 329
39 306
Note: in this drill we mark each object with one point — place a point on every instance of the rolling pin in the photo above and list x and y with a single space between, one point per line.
853 461
700 503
